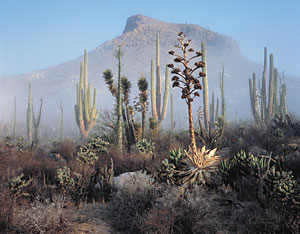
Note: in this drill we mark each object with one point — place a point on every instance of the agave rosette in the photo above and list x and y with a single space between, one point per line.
197 167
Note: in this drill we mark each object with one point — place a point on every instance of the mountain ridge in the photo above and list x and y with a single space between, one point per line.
138 45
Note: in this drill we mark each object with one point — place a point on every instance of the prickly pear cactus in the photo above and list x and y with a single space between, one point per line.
146 147
18 183
90 152
165 173
282 184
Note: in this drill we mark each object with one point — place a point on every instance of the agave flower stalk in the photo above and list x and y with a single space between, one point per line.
186 78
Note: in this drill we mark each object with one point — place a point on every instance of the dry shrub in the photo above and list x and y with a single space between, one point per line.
43 217
129 162
7 206
130 204
67 149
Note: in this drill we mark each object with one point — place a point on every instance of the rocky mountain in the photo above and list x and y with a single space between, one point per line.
138 44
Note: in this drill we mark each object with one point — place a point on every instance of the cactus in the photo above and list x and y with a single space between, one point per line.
172 114
29 117
165 173
212 111
264 87
18 184
282 184
271 88
90 152
36 121
265 110
205 87
157 112
146 147
217 110
254 98
85 113
223 107
283 104
118 55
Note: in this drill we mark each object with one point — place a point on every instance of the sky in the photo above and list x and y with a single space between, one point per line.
36 34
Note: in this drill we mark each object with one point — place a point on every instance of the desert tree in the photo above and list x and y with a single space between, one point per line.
142 104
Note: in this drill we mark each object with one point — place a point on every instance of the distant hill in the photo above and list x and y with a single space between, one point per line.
138 39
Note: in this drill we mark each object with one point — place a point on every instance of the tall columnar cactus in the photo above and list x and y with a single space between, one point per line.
264 87
158 113
275 95
269 105
36 121
205 87
85 113
217 110
172 114
283 104
223 107
118 55
29 115
254 98
61 125
271 88
212 110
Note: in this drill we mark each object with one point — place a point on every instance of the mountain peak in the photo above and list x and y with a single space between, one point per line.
135 21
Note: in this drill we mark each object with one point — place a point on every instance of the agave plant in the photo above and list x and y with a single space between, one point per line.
198 167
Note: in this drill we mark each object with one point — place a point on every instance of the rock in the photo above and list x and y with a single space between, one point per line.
129 178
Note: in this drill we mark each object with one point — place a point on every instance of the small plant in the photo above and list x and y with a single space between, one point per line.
146 147
17 185
198 167
90 152
64 177
165 173
211 138
43 217
282 184
175 155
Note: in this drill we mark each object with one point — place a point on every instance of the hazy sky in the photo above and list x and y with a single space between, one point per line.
36 34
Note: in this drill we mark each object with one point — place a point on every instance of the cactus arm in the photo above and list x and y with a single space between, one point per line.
158 80
205 87
153 92
271 88
166 95
29 115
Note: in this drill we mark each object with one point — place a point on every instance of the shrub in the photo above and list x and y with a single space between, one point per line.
43 217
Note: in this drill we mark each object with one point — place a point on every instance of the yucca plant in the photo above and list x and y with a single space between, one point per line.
198 166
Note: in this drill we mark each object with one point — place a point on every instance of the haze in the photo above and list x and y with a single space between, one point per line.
38 34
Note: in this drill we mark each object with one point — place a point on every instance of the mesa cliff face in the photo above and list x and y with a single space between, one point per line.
138 43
